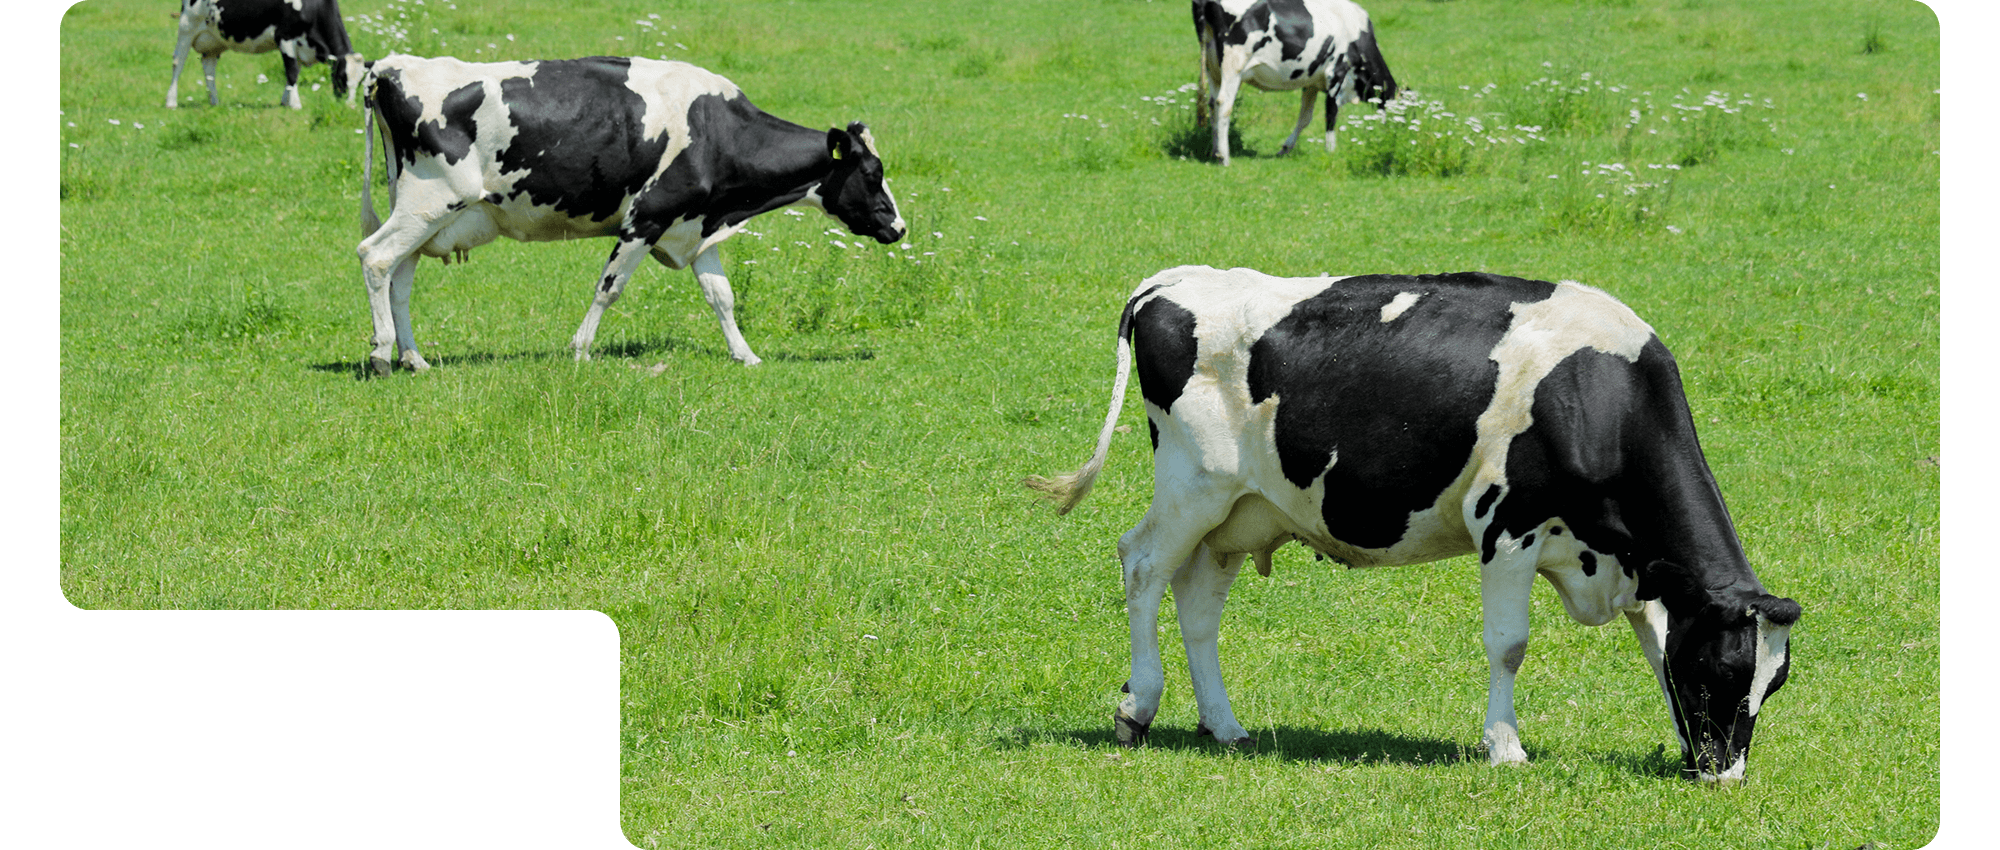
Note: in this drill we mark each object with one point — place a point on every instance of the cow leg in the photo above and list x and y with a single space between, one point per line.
388 267
1332 118
208 76
1305 117
290 96
1504 586
1201 587
618 270
1225 107
1228 81
1649 623
182 45
715 288
1153 553
400 285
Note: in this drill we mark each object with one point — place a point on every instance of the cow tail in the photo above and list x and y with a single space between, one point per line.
370 222
1070 489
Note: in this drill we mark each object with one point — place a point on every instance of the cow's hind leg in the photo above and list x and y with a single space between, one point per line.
618 270
1201 587
1153 553
388 267
1229 79
1305 117
208 76
182 45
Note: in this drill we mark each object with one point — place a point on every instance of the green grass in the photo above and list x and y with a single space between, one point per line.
843 621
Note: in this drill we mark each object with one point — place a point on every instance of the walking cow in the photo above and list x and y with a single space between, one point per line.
1394 419
665 156
1313 46
304 32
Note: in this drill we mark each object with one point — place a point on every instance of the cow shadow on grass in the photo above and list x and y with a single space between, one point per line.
1284 743
634 350
1343 746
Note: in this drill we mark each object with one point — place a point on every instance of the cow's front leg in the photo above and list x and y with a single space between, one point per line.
1305 117
1649 623
290 96
1504 585
715 288
1201 587
618 270
1332 120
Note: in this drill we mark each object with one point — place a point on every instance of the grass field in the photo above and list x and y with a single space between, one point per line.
844 623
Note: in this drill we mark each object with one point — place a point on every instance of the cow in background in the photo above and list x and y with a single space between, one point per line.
668 158
1314 46
304 32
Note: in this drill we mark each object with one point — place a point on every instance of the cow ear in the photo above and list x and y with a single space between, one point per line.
839 143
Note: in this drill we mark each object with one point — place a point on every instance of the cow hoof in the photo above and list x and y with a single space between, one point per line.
415 362
1245 742
1130 733
381 366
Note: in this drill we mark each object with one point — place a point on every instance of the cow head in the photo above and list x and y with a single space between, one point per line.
855 191
347 73
1727 650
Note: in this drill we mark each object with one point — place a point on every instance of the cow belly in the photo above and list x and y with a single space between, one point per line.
469 229
1277 78
208 43
1254 525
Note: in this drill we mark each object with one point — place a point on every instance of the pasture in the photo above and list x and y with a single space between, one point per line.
844 622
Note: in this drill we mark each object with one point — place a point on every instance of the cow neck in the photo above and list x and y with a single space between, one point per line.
786 162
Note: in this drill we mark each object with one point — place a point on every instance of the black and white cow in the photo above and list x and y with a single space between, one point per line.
304 32
1318 46
667 157
1397 419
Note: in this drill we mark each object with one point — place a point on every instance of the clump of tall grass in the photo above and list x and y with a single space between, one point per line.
1420 136
1612 196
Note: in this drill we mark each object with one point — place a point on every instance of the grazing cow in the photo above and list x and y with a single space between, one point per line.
1316 46
1396 419
669 158
304 32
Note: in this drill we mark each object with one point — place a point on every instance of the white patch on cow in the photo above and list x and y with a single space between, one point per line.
1773 643
1728 777
1544 332
1403 301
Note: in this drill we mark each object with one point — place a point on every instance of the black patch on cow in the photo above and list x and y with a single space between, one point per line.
1486 501
318 21
1555 530
1326 49
1528 541
1293 26
1589 561
580 136
449 138
1163 334
1611 449
1397 402
1153 430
